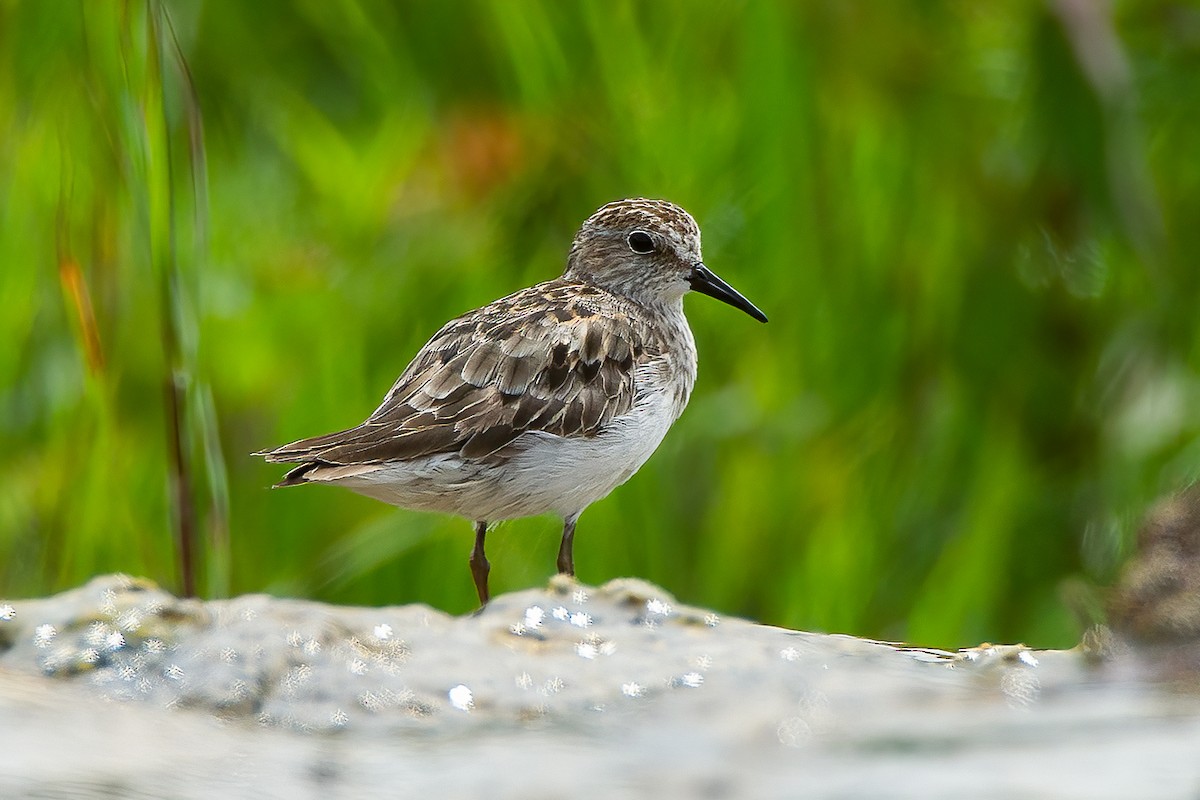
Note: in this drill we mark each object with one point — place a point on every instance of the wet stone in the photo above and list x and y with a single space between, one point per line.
120 689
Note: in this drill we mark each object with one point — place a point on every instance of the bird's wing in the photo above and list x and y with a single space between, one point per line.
556 357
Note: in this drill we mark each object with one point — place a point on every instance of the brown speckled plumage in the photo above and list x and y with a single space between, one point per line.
542 401
557 357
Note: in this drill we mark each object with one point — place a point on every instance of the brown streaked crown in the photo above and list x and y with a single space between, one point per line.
654 267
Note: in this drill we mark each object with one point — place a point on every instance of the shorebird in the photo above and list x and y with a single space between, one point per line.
543 401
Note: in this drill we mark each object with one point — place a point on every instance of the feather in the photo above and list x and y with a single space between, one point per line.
559 357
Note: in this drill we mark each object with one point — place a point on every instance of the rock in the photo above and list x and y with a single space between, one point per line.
119 689
1158 598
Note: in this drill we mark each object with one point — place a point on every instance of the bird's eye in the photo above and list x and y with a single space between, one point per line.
641 243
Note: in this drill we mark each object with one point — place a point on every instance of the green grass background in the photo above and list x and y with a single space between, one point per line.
974 227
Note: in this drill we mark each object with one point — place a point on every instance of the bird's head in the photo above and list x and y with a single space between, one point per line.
648 250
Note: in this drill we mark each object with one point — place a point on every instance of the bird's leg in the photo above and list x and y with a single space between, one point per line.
479 563
566 555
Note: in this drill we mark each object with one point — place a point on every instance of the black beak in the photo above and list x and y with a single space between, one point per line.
705 282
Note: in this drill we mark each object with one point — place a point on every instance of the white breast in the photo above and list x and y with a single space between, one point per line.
566 474
545 473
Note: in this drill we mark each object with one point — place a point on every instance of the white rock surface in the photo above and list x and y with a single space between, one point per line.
118 689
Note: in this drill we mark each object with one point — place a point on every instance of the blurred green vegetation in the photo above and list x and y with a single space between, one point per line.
226 225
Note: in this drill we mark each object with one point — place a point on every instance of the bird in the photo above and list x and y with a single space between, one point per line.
541 402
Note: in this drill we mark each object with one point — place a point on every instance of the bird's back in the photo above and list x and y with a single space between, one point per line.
562 359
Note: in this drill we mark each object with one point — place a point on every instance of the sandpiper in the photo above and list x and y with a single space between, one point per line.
543 401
